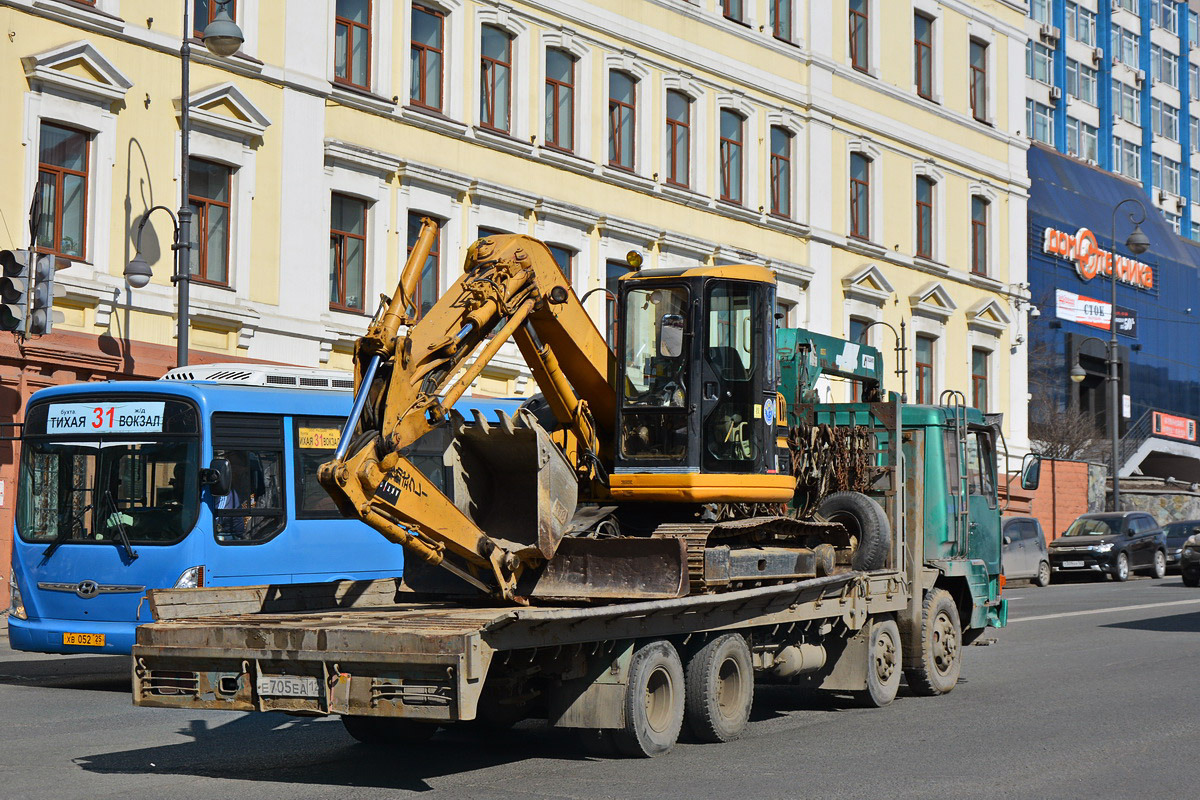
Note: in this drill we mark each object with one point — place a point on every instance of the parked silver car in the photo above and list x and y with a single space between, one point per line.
1024 553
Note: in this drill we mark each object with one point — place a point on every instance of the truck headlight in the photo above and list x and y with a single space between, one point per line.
16 603
192 578
1102 548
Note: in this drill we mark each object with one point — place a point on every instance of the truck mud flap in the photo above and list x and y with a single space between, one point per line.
614 569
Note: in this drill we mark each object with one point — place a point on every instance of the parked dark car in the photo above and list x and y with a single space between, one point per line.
1114 544
1177 533
1024 554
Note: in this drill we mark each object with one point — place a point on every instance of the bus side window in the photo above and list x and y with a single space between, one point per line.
253 509
315 440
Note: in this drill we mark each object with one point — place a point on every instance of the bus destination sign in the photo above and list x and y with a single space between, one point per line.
134 417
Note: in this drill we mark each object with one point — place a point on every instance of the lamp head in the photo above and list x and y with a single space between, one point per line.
1077 373
1138 242
138 272
223 37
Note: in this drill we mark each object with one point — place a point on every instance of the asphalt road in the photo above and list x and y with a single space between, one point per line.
1090 692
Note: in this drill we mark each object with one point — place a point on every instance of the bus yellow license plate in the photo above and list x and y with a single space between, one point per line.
84 639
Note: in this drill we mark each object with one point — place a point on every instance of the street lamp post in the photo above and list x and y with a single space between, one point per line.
1137 243
222 37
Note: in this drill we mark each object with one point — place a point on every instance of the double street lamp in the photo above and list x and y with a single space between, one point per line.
1137 243
222 37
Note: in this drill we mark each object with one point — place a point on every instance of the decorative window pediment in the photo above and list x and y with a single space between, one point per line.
359 158
78 69
868 283
932 300
988 315
226 109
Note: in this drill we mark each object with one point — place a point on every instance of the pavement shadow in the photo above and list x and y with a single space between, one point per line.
1179 623
277 748
93 673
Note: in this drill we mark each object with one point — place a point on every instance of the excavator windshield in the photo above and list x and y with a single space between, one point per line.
656 359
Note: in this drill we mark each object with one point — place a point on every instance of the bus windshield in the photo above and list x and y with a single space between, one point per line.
111 492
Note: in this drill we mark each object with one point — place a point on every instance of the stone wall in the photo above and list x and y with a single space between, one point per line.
1166 501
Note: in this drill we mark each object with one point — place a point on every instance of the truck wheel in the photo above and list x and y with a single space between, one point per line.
884 663
719 689
653 701
933 659
388 730
1043 575
866 522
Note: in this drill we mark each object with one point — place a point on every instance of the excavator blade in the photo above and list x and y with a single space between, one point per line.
614 569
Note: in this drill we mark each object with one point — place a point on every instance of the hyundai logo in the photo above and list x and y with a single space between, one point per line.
87 589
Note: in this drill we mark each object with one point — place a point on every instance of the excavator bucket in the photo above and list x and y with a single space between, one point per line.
615 569
513 481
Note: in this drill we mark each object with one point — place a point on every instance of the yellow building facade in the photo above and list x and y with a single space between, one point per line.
869 152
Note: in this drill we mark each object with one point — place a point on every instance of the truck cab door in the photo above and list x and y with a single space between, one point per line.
984 523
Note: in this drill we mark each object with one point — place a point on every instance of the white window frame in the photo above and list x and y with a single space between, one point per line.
794 125
519 100
380 58
922 169
568 42
987 37
932 10
751 152
867 148
453 58
992 197
627 63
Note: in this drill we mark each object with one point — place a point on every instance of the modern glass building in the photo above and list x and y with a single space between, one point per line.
1116 83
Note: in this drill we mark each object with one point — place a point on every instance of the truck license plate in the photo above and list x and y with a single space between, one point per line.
84 639
1071 564
288 686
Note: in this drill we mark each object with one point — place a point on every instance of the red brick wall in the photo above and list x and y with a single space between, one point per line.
1061 496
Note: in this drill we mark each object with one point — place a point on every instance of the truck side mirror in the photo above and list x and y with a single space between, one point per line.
1031 471
218 477
670 335
1008 540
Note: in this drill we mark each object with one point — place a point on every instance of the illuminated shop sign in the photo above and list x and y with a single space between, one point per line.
1091 260
1093 312
1174 427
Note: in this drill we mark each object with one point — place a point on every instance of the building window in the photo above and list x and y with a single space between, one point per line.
63 162
860 36
1081 81
352 43
1174 220
924 217
1128 5
203 12
347 252
1195 184
679 138
1194 133
208 197
860 196
1166 14
979 235
1194 80
1039 62
1193 29
781 172
924 368
1081 24
923 55
1165 173
979 378
1127 158
1125 46
1127 102
428 53
1039 10
781 19
1164 66
979 80
560 100
856 332
622 117
1082 139
1164 119
613 270
731 156
427 286
564 257
733 10
495 79
1039 120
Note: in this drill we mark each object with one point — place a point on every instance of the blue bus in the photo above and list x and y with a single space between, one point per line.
116 496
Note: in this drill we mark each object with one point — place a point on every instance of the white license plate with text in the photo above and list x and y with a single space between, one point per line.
288 686
1071 564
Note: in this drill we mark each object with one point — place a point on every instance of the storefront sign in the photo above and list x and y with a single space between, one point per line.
1174 427
1090 260
1088 311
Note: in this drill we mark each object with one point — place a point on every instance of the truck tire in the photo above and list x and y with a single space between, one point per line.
388 730
884 663
719 689
933 656
653 701
866 521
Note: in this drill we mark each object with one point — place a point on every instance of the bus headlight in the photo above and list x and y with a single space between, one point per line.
16 603
192 578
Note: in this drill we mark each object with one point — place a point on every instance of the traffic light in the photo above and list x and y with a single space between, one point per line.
42 315
14 288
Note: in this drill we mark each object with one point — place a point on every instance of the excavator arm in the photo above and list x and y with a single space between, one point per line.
408 382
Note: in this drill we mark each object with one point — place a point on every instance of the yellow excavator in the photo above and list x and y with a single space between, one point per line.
656 471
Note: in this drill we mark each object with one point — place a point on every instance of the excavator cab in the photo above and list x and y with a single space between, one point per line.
696 410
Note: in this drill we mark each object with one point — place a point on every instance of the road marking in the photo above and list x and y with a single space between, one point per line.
1107 610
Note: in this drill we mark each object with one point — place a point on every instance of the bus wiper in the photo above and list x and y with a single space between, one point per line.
122 536
75 518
